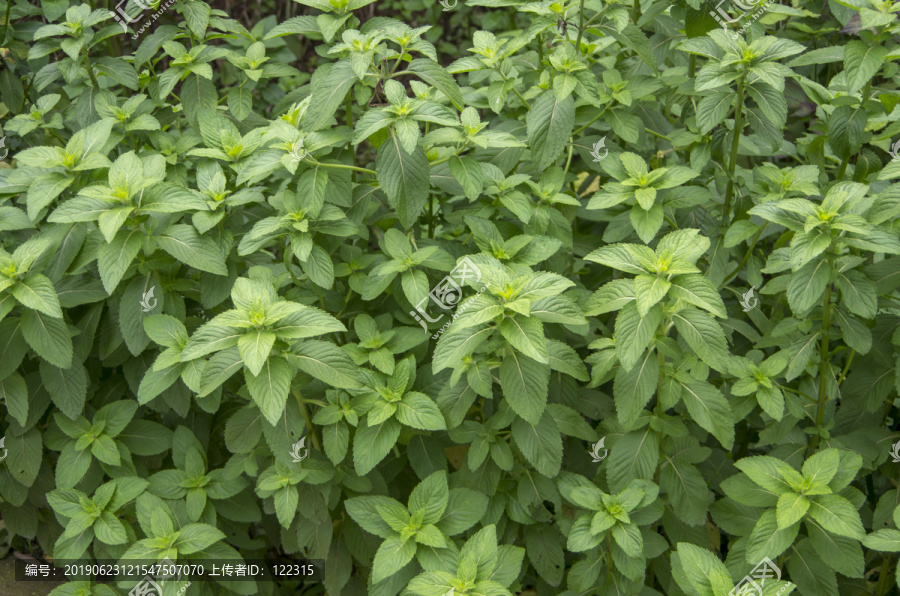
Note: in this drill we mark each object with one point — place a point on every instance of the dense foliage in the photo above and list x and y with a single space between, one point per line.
230 325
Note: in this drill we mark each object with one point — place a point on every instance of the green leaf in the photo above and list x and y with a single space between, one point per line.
525 382
372 443
465 508
634 333
633 389
791 509
837 515
67 387
700 292
269 389
807 285
861 63
49 337
37 292
541 444
14 393
694 568
846 126
704 336
404 178
467 172
327 362
767 472
432 73
329 88
432 496
185 244
419 411
526 334
549 125
648 290
392 556
766 540
844 555
254 347
114 258
709 408
885 540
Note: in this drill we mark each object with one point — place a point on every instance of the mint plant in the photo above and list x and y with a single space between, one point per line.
485 299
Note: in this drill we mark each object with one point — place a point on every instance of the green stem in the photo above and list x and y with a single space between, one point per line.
441 160
340 166
348 106
397 63
747 254
735 142
519 95
288 258
692 65
90 69
884 582
569 158
305 413
6 22
594 119
581 26
843 170
846 367
823 369
795 392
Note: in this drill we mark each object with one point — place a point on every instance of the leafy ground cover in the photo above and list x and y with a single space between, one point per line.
601 299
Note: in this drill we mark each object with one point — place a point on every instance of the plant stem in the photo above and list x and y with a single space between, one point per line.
747 254
581 26
6 22
884 583
594 119
823 369
348 106
735 142
305 413
90 69
846 367
843 169
569 158
341 166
